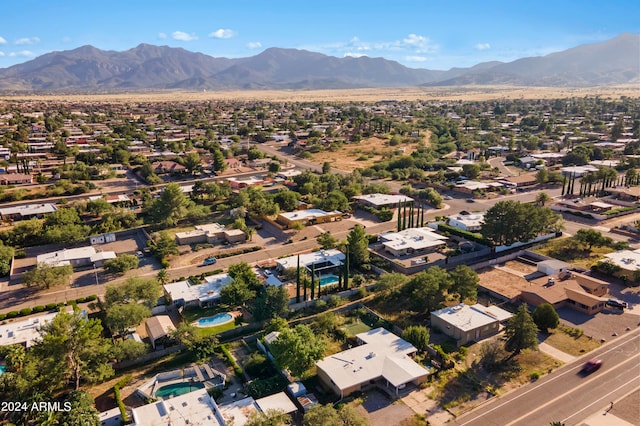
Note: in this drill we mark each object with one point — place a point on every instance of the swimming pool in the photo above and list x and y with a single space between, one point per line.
3 368
329 280
218 319
175 389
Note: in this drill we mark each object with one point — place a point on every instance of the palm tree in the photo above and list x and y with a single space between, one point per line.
162 277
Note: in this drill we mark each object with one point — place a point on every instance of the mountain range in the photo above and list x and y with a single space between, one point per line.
147 67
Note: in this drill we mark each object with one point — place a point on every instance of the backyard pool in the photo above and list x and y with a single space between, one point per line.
175 389
3 368
218 319
329 280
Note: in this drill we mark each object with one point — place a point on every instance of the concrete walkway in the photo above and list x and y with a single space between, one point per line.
557 354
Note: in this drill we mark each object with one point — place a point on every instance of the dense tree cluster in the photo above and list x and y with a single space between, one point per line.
508 222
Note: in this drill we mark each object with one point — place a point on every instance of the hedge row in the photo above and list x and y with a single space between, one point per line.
48 307
236 368
471 236
116 390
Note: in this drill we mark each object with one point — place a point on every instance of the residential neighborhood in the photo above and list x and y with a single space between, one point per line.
232 262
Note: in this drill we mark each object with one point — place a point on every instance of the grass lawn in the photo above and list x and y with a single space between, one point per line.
356 328
571 343
192 315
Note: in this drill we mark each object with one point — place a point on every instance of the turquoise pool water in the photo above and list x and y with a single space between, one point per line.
176 389
3 368
329 280
215 320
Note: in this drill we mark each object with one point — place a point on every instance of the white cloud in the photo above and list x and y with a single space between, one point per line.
420 44
22 53
483 46
222 33
182 36
27 40
162 36
354 55
1 53
254 45
3 40
415 58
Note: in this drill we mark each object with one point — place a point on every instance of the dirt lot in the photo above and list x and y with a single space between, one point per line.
363 154
502 282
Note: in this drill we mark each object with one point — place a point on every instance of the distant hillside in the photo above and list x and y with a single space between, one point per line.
147 67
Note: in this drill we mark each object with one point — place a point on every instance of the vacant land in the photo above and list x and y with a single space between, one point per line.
571 341
462 93
364 154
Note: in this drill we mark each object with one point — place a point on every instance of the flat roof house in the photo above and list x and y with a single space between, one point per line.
469 323
319 260
27 211
211 233
379 201
412 240
307 217
467 222
25 332
381 359
193 408
185 293
80 256
627 260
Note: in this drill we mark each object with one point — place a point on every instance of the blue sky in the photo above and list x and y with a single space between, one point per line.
418 33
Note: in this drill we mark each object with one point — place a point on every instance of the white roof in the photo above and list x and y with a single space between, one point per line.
370 361
193 408
602 205
278 401
237 412
465 317
333 256
383 199
64 257
110 417
28 209
469 220
578 170
414 238
628 260
24 331
307 214
548 155
209 290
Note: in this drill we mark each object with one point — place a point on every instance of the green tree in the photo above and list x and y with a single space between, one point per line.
510 221
427 289
465 282
244 271
334 200
298 349
542 176
71 349
192 162
327 241
417 335
119 318
98 206
542 199
64 226
236 293
171 206
358 246
271 417
162 276
472 171
326 168
219 163
592 238
121 264
387 282
134 290
6 256
45 276
545 317
287 200
521 331
162 245
327 415
272 302
82 411
128 349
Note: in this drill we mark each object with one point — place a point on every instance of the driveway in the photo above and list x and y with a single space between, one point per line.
383 411
604 325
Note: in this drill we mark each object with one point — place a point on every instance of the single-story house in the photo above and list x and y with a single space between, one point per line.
162 167
212 233
192 408
626 194
552 266
412 240
15 179
379 201
627 260
237 412
27 211
467 222
76 257
322 261
308 217
239 183
25 332
578 291
382 359
277 401
184 293
158 329
469 323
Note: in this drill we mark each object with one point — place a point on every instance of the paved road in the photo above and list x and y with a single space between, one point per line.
566 395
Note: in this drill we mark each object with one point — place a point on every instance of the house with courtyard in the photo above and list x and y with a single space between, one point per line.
378 201
412 241
325 263
307 217
627 262
466 323
76 257
186 294
381 359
